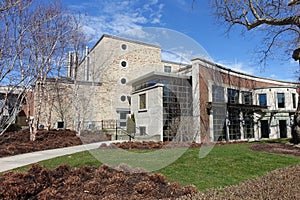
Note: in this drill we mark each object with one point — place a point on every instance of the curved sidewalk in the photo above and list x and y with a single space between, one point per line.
12 162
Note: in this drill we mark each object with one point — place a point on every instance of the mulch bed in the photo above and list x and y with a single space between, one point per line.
124 182
88 183
279 148
18 142
161 145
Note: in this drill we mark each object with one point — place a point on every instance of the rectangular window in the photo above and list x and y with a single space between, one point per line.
142 101
280 100
247 98
91 125
122 124
233 96
123 115
262 99
142 130
218 94
294 100
167 69
60 125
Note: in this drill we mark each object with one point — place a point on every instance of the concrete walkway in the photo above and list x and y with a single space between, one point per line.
11 162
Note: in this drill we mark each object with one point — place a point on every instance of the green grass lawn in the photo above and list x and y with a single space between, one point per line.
224 165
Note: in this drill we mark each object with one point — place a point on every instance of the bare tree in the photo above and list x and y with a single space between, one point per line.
277 20
35 37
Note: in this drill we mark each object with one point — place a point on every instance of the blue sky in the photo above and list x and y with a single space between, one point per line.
197 22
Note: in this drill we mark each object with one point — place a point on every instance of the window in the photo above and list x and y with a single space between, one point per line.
142 130
60 125
294 100
262 99
122 118
122 124
247 98
142 101
123 81
123 115
233 96
91 125
123 98
123 46
123 63
280 100
167 69
218 94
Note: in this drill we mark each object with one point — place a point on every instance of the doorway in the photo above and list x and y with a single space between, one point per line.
282 128
264 128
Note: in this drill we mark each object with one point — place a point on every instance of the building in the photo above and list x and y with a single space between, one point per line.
98 85
201 101
14 107
222 104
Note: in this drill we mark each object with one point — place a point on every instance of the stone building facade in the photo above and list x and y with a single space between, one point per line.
99 83
201 101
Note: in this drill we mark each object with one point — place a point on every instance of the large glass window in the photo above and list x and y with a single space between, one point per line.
262 99
219 114
234 124
248 124
142 101
280 100
233 96
218 94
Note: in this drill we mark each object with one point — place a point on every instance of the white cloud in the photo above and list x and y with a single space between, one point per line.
117 17
273 76
237 66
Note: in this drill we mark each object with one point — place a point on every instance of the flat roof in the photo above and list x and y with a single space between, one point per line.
157 74
241 73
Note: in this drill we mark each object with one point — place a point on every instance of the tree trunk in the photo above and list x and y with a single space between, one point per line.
296 129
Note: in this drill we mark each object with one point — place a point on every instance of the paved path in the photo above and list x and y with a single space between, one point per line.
16 161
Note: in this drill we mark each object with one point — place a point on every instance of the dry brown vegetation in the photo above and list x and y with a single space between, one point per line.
279 148
104 182
13 143
88 183
158 145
